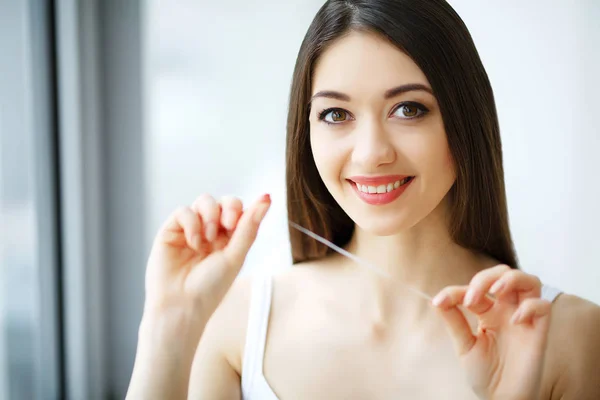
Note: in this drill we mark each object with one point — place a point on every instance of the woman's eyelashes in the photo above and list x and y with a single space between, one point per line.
333 116
410 110
406 110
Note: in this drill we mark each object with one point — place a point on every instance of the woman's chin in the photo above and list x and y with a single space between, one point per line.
383 227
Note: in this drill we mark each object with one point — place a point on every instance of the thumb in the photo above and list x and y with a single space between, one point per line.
245 233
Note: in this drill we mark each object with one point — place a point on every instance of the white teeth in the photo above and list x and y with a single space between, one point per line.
382 188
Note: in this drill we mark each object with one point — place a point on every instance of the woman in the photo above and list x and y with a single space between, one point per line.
393 152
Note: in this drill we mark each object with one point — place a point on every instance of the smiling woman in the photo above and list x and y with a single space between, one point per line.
390 133
393 154
401 83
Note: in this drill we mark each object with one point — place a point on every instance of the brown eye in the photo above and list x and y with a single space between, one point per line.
334 116
410 110
338 115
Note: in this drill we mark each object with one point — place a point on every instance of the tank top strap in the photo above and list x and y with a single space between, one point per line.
550 293
256 336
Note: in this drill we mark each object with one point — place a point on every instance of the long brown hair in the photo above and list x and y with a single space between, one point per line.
437 40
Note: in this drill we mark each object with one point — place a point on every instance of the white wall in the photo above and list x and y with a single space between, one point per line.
585 265
219 76
542 59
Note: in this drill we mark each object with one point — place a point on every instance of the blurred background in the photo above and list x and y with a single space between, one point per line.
113 113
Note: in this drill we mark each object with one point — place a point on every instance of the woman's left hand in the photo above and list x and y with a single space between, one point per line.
504 359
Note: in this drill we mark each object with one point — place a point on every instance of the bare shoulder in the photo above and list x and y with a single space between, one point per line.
307 280
226 330
305 273
574 349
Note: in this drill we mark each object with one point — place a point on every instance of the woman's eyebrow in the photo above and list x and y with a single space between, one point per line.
411 87
393 92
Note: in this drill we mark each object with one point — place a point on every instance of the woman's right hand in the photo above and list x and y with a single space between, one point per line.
195 258
197 255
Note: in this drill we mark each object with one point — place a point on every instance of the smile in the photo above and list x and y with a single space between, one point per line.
379 191
383 188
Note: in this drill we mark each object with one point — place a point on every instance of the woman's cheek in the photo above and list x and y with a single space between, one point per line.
449 164
324 159
317 145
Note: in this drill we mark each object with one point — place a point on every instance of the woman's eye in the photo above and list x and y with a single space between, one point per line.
410 111
334 116
407 110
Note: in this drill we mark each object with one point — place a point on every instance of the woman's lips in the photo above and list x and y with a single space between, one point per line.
381 190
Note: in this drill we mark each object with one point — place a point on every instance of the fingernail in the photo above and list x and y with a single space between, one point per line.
197 241
469 297
229 222
515 318
260 212
496 287
438 300
211 231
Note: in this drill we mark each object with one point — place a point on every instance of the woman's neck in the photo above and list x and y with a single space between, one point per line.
424 256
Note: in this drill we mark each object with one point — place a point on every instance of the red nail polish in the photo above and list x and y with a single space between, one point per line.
265 198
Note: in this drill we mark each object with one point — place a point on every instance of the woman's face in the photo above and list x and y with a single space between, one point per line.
377 134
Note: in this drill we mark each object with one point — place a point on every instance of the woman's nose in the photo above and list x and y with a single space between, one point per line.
372 147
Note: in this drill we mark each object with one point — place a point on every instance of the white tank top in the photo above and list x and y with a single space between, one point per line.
254 383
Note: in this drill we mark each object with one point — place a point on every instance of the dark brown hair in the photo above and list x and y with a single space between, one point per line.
437 40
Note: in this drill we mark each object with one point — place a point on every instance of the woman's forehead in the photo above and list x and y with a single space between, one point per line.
364 62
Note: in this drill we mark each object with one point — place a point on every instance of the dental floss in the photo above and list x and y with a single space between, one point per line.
354 258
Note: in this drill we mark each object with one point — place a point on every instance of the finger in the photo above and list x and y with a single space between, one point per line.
220 268
183 228
458 293
482 305
481 283
446 303
530 310
210 213
246 231
231 210
527 285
